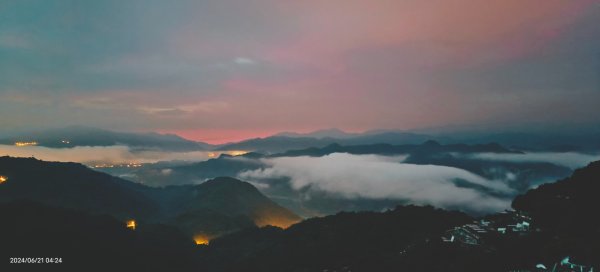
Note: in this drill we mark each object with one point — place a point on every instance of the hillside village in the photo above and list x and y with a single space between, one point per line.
484 233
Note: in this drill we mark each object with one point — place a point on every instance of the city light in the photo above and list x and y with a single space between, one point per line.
201 239
26 143
131 224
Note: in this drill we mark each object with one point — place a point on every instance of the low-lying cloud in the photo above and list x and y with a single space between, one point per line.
378 177
571 160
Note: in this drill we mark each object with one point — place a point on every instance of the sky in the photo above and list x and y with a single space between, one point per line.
220 71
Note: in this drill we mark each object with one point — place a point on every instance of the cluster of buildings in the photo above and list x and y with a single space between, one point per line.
505 223
565 265
32 143
126 165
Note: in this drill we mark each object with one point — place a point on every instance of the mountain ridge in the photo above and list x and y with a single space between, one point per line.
74 186
73 136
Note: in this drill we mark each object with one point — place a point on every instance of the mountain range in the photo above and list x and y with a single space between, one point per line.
86 136
427 147
322 133
281 142
278 144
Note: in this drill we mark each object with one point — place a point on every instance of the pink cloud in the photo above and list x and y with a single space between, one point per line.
467 29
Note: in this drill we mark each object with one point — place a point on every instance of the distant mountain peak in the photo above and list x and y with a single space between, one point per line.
321 133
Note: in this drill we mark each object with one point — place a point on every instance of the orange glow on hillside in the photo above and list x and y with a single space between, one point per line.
3 179
131 224
234 153
280 223
25 143
201 239
237 152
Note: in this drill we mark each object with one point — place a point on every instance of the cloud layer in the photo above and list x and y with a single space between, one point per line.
377 177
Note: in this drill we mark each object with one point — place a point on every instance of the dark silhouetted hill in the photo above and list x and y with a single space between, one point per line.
224 205
72 185
570 201
88 243
234 197
217 206
341 242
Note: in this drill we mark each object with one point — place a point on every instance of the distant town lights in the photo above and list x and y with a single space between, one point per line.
201 239
230 153
237 152
128 165
3 179
26 143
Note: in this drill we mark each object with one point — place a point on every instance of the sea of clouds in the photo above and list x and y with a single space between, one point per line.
347 175
379 177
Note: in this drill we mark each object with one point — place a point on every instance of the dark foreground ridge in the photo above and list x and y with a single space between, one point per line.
554 226
82 242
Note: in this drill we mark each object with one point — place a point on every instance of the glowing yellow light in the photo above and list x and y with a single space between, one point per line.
131 224
3 179
127 165
201 239
237 152
212 155
25 143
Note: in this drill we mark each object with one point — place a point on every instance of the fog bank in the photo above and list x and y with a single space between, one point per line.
378 177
